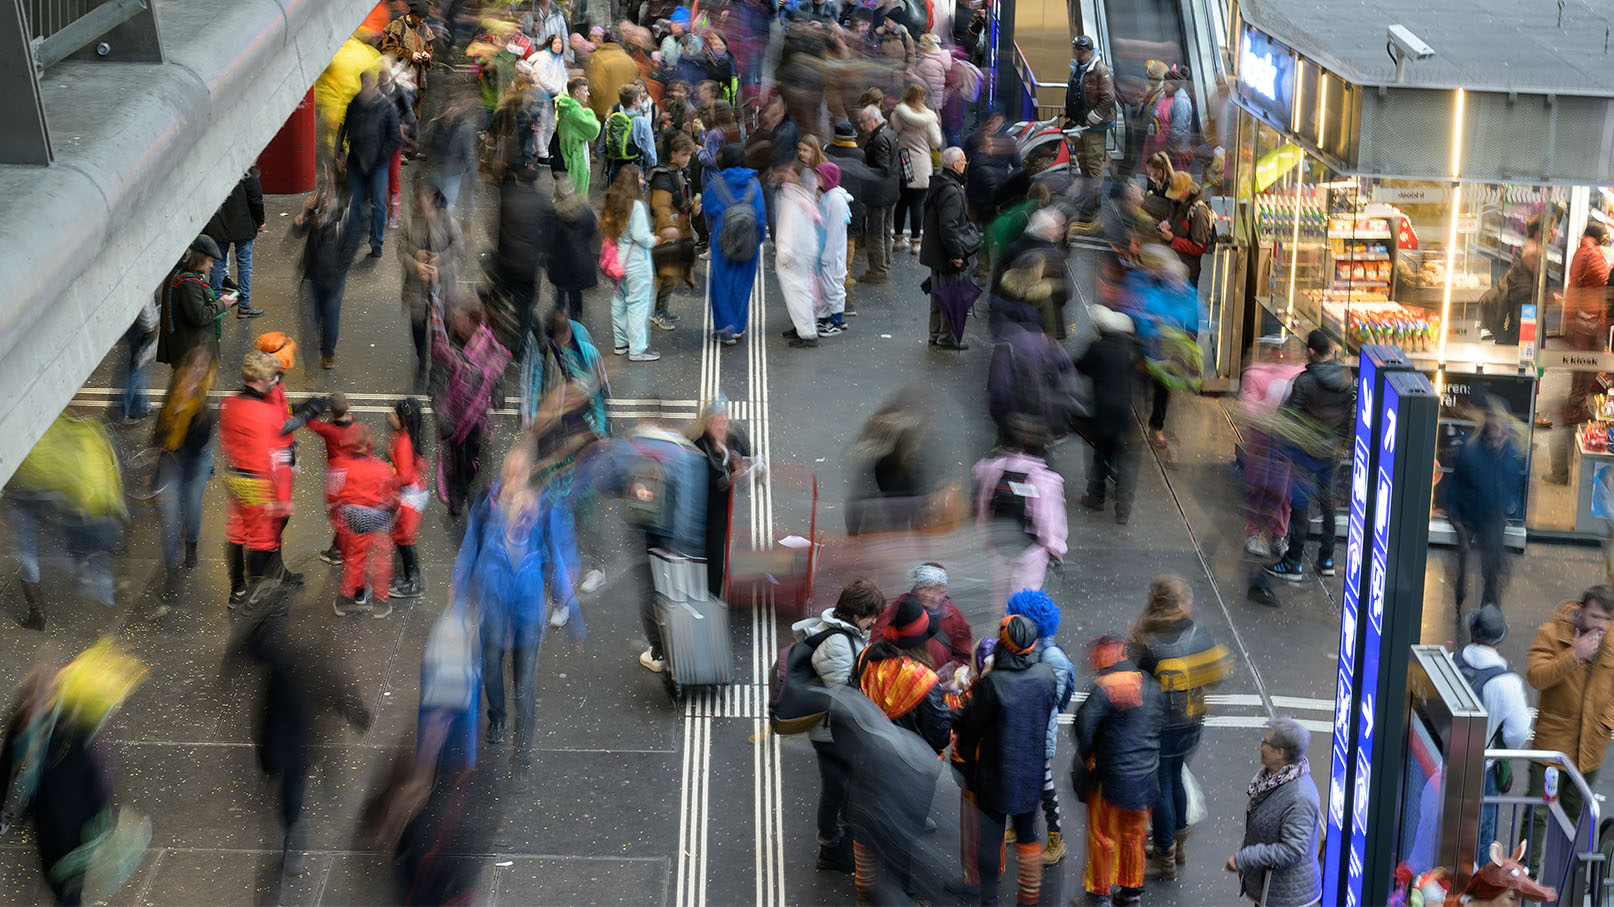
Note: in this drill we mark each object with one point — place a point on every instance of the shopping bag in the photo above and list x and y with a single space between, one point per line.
1195 812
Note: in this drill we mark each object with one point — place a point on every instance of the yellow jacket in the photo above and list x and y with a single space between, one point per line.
1576 710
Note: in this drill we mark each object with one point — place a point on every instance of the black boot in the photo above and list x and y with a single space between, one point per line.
235 558
36 614
190 555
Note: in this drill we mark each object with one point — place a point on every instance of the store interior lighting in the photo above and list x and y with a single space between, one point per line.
1294 241
1451 237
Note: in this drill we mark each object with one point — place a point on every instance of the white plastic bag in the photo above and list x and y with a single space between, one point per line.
1196 797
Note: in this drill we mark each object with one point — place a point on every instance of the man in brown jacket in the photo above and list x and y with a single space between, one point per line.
1574 673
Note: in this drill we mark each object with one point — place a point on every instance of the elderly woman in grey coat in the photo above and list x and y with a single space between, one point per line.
1277 865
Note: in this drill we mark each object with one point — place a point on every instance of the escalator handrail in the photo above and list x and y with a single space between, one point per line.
1026 73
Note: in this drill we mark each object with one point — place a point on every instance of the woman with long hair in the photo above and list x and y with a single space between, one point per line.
800 222
184 436
918 130
1186 660
727 451
625 218
809 152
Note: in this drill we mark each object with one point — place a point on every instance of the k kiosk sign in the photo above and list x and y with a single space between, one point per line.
1392 471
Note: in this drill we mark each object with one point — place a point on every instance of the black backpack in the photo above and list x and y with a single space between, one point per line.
650 500
737 237
797 701
1009 503
1477 678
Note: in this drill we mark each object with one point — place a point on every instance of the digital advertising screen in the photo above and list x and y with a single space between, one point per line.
1423 777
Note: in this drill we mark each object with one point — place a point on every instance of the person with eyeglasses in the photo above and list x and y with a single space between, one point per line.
1277 864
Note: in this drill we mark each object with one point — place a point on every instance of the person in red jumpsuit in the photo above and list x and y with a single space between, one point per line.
255 435
335 432
368 497
406 421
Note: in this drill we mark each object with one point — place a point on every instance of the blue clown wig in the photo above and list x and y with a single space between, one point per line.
1036 605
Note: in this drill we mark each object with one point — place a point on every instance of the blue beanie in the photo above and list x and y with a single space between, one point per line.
1036 605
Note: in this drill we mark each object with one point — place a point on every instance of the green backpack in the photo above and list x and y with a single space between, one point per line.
619 143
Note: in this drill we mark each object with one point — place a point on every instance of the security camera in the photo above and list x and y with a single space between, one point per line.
1409 44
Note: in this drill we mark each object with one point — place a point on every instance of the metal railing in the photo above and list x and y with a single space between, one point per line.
1045 112
57 29
1570 850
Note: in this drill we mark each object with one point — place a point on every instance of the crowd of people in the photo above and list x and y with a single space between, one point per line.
655 148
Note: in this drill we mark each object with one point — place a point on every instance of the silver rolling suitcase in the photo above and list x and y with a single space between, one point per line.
694 624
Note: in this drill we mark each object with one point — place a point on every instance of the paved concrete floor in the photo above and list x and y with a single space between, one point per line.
637 800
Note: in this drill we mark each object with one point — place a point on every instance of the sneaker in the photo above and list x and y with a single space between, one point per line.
1256 546
620 350
651 662
804 343
851 310
363 597
346 605
1325 566
246 310
646 356
237 596
731 340
332 556
405 588
1285 570
558 616
662 321
382 608
827 329
592 580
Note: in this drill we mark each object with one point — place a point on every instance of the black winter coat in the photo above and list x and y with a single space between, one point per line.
948 232
187 315
524 232
238 219
1325 394
574 260
371 132
857 179
1118 725
1003 730
880 153
1109 362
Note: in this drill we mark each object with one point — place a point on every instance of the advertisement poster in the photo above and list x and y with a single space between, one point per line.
1460 400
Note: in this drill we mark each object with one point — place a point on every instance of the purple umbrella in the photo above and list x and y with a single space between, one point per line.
954 296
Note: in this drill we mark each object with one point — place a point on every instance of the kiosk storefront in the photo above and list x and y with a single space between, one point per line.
1433 194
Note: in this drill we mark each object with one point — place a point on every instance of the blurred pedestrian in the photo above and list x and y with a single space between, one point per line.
1185 660
1165 313
449 145
1321 413
1030 275
371 131
432 251
1277 864
1188 228
473 363
836 636
1020 503
573 262
1109 362
1262 389
733 206
184 434
327 255
1042 611
525 236
298 683
1484 492
1002 726
665 479
1116 769
235 225
625 218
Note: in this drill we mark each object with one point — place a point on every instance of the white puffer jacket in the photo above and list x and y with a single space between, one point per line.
919 132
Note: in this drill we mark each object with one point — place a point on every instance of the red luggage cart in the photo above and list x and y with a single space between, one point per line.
777 565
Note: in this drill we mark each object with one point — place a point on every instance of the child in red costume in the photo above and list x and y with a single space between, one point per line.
406 421
366 503
334 432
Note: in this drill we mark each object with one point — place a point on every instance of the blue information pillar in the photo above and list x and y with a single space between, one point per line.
1392 471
